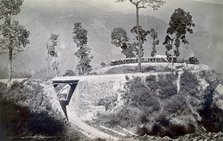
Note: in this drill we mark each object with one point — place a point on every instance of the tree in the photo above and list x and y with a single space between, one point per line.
83 52
155 42
143 33
180 23
13 36
120 38
51 52
141 4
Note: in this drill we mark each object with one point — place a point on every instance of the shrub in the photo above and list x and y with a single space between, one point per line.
189 83
211 114
126 117
175 105
108 102
69 73
103 64
151 82
167 86
25 110
153 105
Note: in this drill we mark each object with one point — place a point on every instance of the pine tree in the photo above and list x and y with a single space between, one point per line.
83 52
13 36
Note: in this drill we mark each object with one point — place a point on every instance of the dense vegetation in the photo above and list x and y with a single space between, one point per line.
25 110
155 105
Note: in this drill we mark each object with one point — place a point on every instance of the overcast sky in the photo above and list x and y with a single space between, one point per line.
109 5
40 16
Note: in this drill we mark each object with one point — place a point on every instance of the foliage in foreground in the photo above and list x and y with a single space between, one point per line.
156 106
26 111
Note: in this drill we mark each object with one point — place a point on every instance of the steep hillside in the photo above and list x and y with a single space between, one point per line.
167 104
30 110
118 106
154 103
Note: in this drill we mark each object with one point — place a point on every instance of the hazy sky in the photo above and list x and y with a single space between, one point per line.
41 18
109 5
211 1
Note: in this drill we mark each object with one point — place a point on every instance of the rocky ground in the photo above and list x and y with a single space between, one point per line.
203 136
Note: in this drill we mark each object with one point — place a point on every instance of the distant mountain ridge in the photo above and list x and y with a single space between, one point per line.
42 22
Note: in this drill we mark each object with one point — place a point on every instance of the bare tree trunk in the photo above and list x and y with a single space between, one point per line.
139 39
56 67
10 66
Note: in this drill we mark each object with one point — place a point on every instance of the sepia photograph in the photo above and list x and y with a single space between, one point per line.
111 70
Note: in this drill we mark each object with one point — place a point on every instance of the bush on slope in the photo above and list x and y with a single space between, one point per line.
154 106
25 110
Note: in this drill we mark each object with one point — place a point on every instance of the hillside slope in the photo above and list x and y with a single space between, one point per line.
30 110
155 103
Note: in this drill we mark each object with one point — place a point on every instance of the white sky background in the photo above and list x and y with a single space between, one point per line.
113 6
126 7
200 15
211 1
109 5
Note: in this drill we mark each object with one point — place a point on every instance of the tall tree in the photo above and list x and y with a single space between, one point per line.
83 52
13 36
180 23
51 52
141 4
120 39
142 38
155 42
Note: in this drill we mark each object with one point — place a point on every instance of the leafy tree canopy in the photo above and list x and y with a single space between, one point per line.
180 23
155 39
119 36
143 33
10 7
52 44
83 52
80 35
